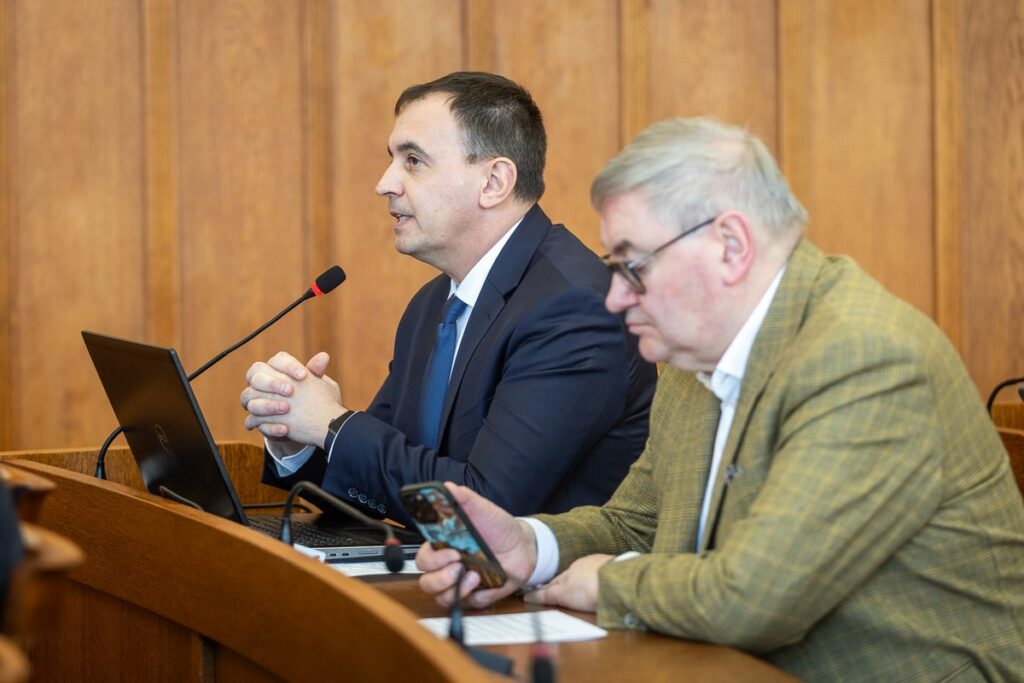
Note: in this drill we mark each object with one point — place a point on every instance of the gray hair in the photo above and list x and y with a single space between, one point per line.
694 169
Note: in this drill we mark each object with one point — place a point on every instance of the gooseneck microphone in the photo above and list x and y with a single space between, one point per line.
492 661
393 558
999 387
325 283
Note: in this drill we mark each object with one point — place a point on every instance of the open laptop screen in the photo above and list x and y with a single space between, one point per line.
163 425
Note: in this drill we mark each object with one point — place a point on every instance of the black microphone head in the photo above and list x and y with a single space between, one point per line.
328 280
394 560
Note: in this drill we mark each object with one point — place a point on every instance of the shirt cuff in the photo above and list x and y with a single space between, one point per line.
289 464
547 553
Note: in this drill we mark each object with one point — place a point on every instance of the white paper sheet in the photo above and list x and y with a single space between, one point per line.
370 568
521 627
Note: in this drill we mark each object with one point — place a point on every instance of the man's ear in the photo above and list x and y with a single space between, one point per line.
736 237
499 182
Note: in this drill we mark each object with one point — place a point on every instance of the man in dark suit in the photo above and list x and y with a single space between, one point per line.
508 374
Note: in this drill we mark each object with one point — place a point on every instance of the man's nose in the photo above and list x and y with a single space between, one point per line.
388 183
620 295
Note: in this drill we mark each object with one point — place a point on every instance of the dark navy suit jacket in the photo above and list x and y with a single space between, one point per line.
548 402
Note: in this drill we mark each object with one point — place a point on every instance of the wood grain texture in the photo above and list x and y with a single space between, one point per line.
318 30
1013 442
948 141
77 251
242 191
992 67
619 656
191 573
1009 414
864 159
634 68
187 575
163 241
375 59
183 168
566 54
715 58
73 652
7 90
478 39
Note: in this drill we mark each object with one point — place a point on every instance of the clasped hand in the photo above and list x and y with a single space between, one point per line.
291 403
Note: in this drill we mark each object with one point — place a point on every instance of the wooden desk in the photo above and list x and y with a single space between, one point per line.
620 656
168 593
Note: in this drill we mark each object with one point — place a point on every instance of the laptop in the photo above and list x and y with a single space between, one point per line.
177 458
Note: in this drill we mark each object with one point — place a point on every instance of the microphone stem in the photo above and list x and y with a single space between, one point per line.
101 470
999 387
234 346
455 631
390 542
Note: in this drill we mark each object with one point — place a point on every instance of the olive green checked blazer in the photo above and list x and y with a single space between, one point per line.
866 525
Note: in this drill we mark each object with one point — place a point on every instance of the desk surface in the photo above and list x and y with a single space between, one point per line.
620 656
198 608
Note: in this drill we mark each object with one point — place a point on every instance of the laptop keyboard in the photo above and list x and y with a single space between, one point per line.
311 534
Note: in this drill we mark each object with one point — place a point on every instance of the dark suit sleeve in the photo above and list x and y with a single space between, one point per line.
563 385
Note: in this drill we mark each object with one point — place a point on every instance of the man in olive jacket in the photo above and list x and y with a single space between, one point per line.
821 485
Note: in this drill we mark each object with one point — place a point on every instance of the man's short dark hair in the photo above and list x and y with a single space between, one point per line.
498 118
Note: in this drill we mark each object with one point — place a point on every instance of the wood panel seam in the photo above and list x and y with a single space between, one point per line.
163 253
947 158
7 278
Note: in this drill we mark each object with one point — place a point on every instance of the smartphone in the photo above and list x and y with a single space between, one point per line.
443 523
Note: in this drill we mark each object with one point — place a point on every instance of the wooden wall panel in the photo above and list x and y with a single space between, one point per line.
7 89
715 58
380 49
566 54
77 208
856 133
182 168
991 66
242 174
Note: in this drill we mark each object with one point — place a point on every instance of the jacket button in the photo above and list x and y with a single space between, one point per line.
382 508
362 497
352 493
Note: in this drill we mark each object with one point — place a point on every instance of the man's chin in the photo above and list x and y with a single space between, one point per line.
405 245
651 351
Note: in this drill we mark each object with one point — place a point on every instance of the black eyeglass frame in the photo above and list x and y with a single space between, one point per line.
629 270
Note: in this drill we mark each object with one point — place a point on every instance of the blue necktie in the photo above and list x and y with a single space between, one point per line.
439 369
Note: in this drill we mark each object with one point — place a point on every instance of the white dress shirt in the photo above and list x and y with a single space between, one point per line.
724 382
468 291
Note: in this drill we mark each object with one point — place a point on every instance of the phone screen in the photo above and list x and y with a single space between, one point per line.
444 525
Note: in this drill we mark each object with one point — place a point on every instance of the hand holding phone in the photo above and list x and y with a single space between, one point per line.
443 523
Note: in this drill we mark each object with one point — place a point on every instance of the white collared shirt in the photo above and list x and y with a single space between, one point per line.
468 291
724 382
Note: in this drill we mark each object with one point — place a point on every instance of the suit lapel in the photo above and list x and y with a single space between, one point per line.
780 326
505 276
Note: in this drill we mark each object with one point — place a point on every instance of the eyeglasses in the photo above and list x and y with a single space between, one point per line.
630 270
